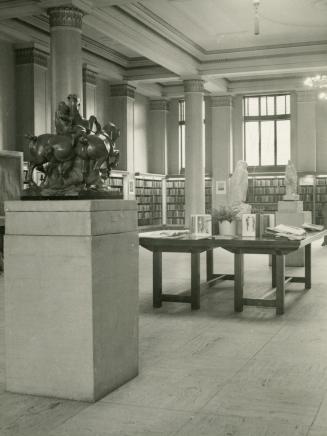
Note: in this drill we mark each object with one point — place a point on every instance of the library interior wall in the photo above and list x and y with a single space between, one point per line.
7 97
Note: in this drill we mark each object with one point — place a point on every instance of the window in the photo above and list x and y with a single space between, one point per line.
267 129
181 133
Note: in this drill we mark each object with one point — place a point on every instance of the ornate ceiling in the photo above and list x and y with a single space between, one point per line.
155 42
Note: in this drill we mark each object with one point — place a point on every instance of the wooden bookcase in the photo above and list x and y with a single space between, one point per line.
175 199
116 183
148 194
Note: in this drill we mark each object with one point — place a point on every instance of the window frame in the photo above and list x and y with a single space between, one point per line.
260 118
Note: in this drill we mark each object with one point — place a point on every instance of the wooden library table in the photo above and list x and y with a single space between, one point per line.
278 248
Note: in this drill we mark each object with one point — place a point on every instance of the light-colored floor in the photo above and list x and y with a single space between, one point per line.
206 372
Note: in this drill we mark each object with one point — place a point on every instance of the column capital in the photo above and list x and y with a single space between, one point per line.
193 85
159 105
31 55
89 75
221 101
306 96
122 90
65 16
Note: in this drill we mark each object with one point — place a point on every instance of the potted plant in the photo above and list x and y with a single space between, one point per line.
224 219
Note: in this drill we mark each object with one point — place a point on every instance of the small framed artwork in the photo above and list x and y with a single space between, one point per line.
131 186
201 225
220 187
249 224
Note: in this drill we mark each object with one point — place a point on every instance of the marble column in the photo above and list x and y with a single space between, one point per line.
194 149
158 125
306 131
89 91
221 130
32 110
66 53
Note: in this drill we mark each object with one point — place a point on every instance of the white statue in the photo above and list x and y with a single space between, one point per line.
290 182
238 187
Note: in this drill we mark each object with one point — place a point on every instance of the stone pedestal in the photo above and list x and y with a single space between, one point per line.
71 297
291 213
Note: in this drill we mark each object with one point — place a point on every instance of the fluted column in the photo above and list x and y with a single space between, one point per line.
66 53
89 90
221 131
306 131
32 105
158 126
194 149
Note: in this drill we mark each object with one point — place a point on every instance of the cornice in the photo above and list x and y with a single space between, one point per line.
221 101
65 17
31 55
159 105
193 85
122 90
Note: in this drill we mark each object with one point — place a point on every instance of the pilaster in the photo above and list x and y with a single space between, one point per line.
158 125
306 130
122 106
32 111
89 90
222 142
194 149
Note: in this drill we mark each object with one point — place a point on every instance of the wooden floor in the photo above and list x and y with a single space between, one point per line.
206 372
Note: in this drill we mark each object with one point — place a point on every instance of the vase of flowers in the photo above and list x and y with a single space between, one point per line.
224 221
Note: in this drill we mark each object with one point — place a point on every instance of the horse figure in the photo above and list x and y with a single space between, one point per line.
75 140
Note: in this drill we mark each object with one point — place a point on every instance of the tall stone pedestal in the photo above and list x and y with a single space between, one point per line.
291 213
71 297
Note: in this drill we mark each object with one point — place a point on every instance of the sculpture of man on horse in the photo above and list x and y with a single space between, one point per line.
78 156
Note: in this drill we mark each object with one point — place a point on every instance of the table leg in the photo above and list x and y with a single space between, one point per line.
280 283
307 266
238 281
273 270
195 281
157 278
209 255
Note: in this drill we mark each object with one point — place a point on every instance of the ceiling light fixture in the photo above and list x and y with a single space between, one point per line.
318 81
256 4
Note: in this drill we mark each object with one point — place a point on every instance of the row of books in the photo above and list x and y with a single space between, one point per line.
143 183
148 191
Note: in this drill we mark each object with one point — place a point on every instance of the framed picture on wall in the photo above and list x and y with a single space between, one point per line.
220 187
131 186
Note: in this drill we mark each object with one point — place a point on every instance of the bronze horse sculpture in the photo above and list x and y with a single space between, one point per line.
76 155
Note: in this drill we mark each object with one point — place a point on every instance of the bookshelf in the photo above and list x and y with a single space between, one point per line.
264 192
116 183
175 199
148 194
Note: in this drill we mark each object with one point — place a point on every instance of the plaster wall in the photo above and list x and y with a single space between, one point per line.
7 97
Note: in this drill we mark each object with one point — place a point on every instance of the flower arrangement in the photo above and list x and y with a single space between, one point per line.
224 213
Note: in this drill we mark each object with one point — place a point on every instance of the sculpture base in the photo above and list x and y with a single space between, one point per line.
89 194
71 297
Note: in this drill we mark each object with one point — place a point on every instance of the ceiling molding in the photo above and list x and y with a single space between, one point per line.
121 27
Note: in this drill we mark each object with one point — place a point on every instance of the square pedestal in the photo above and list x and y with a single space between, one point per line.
294 219
71 297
